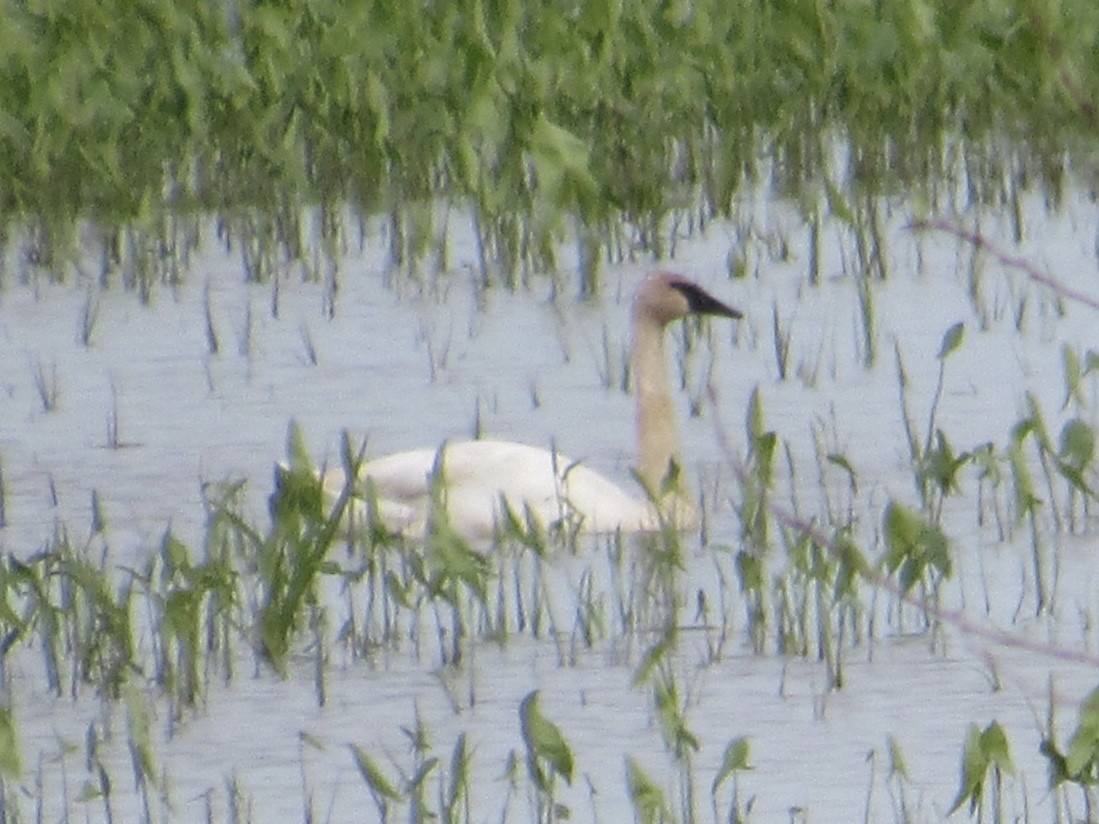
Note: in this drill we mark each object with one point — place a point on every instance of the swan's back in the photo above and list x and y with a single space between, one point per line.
478 476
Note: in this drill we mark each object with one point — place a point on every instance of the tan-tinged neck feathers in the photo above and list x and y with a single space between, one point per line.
657 437
662 298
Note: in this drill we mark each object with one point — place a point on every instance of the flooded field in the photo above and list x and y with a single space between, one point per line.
311 232
122 420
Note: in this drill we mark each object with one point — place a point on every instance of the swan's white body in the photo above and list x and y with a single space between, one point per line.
478 477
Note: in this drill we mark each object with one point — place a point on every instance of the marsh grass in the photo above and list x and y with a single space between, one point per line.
355 120
191 631
781 338
549 759
89 318
213 341
47 386
312 357
986 760
516 115
935 464
114 436
322 579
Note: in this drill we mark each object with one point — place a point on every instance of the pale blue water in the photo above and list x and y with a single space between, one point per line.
415 363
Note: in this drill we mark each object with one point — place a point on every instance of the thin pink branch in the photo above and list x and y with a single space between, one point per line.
953 617
1016 262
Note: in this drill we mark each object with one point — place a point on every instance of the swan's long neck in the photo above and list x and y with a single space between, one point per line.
657 440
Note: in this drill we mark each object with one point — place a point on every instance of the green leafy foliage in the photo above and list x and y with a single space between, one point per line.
548 753
914 548
952 339
649 804
381 788
609 112
985 751
672 714
291 559
734 760
1076 453
11 759
195 597
1079 764
941 465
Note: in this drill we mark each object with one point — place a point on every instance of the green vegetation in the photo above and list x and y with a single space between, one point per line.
986 755
127 130
607 122
322 577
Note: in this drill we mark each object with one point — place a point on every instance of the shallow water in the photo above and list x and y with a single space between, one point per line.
410 362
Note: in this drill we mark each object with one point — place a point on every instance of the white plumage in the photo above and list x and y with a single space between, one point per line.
477 477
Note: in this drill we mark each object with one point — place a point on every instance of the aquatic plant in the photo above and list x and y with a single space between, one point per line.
548 757
985 760
290 132
521 114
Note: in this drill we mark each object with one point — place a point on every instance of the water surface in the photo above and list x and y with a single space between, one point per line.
146 414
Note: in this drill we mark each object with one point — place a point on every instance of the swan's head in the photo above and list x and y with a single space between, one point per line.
667 296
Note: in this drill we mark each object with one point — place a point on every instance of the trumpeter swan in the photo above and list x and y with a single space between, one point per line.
475 479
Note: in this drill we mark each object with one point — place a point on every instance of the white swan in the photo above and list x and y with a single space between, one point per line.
475 479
